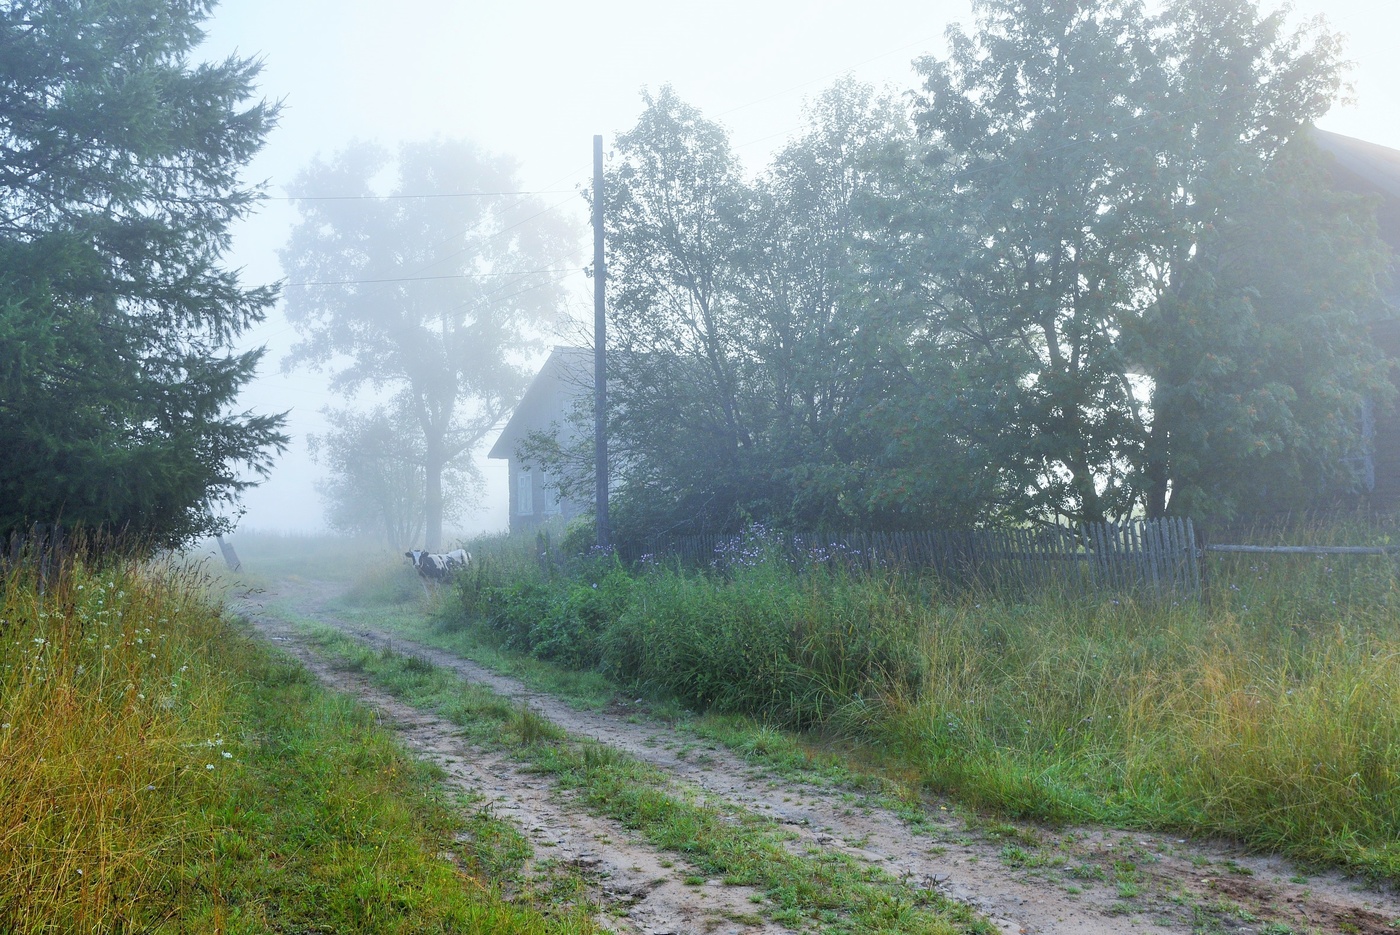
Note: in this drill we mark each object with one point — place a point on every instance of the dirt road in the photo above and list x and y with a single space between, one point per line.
1024 878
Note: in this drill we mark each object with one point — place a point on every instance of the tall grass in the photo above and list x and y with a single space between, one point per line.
792 649
765 640
162 772
111 734
1188 718
1269 711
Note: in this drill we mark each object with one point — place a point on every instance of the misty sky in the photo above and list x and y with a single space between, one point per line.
538 80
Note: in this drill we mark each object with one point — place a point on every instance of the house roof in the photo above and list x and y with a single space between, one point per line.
1378 166
1371 169
567 373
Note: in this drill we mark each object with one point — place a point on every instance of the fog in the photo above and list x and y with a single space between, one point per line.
537 80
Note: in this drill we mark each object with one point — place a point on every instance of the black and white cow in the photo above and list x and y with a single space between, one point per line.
436 566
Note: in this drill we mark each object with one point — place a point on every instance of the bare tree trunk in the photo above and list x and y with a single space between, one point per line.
432 499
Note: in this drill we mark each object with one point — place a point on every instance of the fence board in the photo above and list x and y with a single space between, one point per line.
1156 557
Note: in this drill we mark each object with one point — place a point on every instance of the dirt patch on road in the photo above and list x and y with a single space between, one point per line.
1024 878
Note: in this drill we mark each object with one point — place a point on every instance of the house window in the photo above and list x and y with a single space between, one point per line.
525 492
551 496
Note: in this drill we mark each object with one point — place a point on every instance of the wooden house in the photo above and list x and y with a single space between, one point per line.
1373 170
567 375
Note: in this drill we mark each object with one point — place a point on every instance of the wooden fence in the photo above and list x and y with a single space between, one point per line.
1160 557
42 544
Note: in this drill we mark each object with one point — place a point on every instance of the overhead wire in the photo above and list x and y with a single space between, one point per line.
410 195
524 193
389 279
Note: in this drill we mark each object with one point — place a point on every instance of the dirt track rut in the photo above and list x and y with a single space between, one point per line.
1024 879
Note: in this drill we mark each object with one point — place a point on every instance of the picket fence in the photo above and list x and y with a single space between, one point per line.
1159 557
43 544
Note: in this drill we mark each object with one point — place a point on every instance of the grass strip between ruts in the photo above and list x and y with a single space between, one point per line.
827 887
332 824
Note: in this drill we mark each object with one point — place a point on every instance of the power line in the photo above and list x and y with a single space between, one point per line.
545 191
487 239
490 237
368 282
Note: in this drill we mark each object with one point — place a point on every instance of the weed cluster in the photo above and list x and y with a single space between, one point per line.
763 639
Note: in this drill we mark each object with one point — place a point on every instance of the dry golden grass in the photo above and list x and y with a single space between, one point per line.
160 771
109 739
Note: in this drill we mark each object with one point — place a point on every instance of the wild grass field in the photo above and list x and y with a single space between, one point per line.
160 771
1267 712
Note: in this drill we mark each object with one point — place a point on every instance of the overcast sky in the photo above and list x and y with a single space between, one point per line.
536 80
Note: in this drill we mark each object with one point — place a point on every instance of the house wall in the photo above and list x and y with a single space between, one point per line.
547 402
545 504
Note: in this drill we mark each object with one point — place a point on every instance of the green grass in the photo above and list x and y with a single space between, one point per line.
162 772
1196 719
361 838
826 888
1268 713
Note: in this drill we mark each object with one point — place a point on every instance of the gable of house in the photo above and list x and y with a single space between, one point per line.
545 406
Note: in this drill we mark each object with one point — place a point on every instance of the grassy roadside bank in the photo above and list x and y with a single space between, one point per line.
161 771
1270 713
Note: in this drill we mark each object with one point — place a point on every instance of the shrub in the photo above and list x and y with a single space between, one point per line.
570 629
790 648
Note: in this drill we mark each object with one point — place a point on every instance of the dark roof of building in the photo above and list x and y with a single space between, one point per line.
567 372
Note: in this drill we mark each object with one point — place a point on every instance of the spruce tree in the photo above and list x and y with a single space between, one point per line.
120 156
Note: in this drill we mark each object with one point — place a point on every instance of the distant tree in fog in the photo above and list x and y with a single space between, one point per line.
119 165
438 300
375 485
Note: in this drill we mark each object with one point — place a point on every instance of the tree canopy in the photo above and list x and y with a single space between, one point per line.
433 292
1092 268
119 181
745 354
1105 168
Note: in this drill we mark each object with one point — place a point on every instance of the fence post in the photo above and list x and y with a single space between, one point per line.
230 556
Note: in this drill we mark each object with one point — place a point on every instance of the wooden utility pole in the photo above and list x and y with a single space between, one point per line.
600 356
